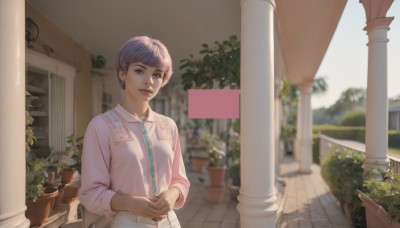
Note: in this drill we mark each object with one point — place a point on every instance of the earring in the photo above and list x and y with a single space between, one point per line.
122 83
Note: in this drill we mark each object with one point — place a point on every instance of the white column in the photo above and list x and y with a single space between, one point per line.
376 137
305 132
257 197
299 130
12 114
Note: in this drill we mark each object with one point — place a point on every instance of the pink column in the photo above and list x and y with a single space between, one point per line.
376 137
12 114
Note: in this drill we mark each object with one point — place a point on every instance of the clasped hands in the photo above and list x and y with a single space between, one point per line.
156 208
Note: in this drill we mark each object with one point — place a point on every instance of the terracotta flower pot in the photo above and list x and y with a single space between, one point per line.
70 194
216 175
58 199
66 176
214 194
199 162
376 215
38 212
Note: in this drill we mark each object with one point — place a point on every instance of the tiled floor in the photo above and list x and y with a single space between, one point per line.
308 200
307 203
198 213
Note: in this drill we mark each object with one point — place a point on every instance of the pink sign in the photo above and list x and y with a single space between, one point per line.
214 103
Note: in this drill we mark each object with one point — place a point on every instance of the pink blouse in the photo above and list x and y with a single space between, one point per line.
117 159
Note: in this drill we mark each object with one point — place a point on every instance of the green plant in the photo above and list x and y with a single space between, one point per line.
342 170
72 156
98 61
234 155
386 193
219 64
215 149
36 176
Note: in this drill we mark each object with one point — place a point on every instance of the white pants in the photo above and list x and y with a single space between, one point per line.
128 220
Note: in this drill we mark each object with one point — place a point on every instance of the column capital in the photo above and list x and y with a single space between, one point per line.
272 2
305 86
375 9
375 12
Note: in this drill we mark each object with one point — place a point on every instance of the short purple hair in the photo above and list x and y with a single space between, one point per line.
143 49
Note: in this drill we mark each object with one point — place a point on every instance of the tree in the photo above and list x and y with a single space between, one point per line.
350 99
219 65
354 118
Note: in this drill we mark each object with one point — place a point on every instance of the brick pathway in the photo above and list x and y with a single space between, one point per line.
308 201
198 213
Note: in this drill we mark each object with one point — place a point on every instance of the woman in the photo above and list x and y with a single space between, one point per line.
132 167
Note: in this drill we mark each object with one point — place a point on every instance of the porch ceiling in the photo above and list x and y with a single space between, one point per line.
306 29
102 25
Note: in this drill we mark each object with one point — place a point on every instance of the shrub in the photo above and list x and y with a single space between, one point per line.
343 172
354 118
386 194
394 139
315 149
341 132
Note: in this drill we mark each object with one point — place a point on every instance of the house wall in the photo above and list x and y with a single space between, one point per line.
53 42
394 120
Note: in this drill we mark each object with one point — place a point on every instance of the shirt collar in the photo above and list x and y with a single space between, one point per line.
131 118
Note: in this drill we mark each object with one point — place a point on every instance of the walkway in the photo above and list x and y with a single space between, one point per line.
308 200
198 213
307 203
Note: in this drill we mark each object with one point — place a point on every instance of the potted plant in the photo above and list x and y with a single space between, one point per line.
381 200
234 168
39 199
70 161
216 169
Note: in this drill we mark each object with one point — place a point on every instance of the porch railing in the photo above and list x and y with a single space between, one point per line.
326 143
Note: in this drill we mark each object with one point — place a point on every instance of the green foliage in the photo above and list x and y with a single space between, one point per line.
386 194
394 139
218 64
287 131
36 176
350 99
98 61
234 155
342 170
73 153
315 149
341 132
215 149
354 118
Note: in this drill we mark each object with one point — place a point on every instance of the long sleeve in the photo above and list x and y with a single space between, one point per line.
179 178
95 193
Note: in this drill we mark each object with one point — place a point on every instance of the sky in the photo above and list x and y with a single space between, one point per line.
345 63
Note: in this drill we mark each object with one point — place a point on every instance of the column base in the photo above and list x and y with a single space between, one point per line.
257 212
14 220
375 163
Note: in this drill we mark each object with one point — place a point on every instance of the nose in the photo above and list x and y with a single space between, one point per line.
149 80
